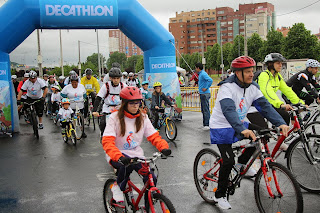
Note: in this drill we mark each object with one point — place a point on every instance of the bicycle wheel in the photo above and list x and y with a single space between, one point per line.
205 173
79 126
73 137
34 122
313 128
108 198
93 122
171 130
291 199
305 169
161 203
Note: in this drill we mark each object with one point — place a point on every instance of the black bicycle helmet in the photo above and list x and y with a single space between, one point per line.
115 72
88 71
116 64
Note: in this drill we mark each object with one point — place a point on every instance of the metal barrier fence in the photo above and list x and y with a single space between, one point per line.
191 98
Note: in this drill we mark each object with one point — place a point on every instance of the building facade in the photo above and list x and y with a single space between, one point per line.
119 42
284 30
195 31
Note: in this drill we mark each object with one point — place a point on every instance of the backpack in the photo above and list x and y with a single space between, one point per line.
107 85
256 76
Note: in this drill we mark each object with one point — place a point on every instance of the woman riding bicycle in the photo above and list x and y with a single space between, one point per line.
123 136
76 93
236 94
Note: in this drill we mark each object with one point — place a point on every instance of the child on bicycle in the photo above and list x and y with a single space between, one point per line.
236 94
65 113
55 100
157 97
123 136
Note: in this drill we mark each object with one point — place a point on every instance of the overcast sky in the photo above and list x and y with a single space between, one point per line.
162 11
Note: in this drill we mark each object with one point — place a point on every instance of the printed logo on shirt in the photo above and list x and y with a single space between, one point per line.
242 110
76 98
33 92
130 142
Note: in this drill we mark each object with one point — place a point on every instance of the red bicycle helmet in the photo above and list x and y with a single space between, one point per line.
242 62
131 94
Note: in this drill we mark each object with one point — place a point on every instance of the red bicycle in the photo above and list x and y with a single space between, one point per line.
157 201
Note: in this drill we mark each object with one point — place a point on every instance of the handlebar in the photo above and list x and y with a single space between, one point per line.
153 159
31 103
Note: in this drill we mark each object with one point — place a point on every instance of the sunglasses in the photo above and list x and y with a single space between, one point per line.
134 103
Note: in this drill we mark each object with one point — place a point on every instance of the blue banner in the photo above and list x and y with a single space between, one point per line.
4 71
78 13
162 64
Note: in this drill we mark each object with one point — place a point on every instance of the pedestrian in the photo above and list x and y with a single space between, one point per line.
205 83
15 83
181 79
195 78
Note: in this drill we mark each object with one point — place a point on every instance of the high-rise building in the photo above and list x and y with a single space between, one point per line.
194 31
119 42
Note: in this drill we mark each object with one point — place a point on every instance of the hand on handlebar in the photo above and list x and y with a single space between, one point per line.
156 107
287 107
285 129
95 114
249 134
125 160
166 152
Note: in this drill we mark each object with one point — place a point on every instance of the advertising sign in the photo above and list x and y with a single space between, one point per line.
162 64
79 13
5 100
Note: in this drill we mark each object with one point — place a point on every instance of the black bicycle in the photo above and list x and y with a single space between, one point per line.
32 116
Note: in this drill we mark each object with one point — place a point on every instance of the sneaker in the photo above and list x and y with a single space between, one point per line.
40 126
222 202
283 147
84 135
117 193
206 128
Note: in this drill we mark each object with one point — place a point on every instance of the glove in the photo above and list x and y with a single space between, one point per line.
166 152
42 99
124 160
18 102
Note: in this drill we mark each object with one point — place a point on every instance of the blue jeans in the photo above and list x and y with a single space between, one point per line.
204 99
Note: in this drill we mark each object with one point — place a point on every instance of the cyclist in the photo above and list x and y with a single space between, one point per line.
36 89
110 94
306 79
125 76
23 97
51 83
270 81
132 81
136 76
181 79
157 97
68 81
122 139
77 93
92 87
65 113
45 78
236 94
146 96
55 100
15 83
101 80
61 81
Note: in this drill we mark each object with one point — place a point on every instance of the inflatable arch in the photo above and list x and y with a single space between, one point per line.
19 18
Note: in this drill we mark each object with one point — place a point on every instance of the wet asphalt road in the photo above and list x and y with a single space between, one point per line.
47 175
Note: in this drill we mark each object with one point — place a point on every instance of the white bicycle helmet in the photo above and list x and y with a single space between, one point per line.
125 73
61 77
13 77
312 63
273 57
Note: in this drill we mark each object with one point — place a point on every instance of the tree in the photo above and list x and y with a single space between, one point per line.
227 52
94 59
237 48
194 59
183 64
121 58
132 61
140 64
211 57
274 43
255 44
300 43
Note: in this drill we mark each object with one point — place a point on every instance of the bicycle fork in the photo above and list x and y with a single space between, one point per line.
265 167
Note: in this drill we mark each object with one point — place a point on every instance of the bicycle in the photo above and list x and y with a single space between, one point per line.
157 201
275 188
70 132
90 116
165 119
32 117
79 122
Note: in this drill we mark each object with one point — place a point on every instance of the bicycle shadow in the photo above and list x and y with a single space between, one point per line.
204 207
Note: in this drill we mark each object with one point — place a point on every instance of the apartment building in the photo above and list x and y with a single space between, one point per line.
194 31
119 42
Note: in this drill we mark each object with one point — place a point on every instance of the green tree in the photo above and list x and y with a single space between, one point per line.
237 48
300 43
183 64
227 49
121 58
94 59
132 61
140 64
194 59
273 44
255 44
211 57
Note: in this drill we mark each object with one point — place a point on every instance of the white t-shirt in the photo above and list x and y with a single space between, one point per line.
65 113
235 93
132 83
75 95
56 97
55 83
34 90
112 101
130 143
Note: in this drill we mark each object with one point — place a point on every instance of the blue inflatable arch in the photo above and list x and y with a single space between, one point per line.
19 18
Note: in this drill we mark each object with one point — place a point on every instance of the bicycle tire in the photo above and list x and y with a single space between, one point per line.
79 127
108 198
313 128
94 124
73 138
35 124
206 188
171 130
161 204
285 179
306 173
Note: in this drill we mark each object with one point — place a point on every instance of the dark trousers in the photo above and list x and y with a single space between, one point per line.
204 99
123 174
39 106
103 123
55 107
227 155
92 95
284 114
156 118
